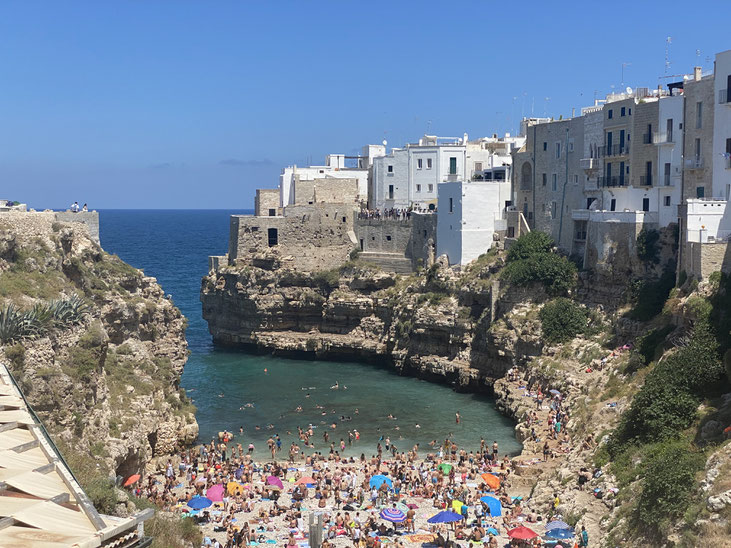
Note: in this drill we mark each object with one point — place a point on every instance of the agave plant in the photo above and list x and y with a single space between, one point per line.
69 311
10 323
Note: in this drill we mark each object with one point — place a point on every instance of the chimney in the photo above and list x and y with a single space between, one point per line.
697 71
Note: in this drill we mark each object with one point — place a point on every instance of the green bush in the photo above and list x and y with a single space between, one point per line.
647 344
530 244
16 355
647 249
561 320
327 279
668 486
556 273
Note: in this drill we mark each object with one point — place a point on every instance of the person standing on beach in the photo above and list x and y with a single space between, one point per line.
494 450
583 538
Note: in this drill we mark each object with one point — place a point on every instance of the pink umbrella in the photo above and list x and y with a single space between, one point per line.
273 480
215 493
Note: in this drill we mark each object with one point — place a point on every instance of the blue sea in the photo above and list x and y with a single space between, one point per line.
263 394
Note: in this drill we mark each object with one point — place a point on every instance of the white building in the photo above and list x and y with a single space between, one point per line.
335 167
410 176
470 212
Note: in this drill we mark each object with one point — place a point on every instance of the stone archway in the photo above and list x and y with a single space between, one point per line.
526 176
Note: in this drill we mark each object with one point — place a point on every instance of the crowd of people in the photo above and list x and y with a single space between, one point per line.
394 213
75 208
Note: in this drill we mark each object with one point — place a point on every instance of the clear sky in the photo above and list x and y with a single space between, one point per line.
182 104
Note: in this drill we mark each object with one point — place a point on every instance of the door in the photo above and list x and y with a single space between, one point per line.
609 143
621 173
621 140
453 166
609 175
669 130
645 204
667 174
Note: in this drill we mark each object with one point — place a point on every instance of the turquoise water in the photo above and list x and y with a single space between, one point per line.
173 246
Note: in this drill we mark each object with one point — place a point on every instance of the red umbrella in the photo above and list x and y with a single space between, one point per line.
305 480
134 478
522 533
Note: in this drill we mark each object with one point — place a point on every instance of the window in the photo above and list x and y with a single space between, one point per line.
554 182
390 169
431 188
580 230
390 192
273 236
418 188
428 163
699 115
544 178
700 192
630 111
451 205
571 144
697 149
545 145
272 212
543 207
478 166
645 204
511 232
553 209
576 179
610 114
623 111
613 205
666 201
558 149
453 165
388 238
418 163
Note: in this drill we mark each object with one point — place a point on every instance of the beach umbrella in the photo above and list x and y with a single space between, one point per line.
445 516
522 533
198 503
557 524
494 506
215 493
234 487
378 480
393 515
555 392
560 533
492 531
201 480
305 480
457 506
412 506
445 468
274 480
134 478
491 480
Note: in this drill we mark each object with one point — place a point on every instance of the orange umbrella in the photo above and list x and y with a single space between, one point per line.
134 478
305 480
491 480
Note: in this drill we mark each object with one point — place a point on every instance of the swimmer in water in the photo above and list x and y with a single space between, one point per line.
220 395
335 386
299 409
417 426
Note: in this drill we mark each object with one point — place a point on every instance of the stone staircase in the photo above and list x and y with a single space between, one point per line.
388 262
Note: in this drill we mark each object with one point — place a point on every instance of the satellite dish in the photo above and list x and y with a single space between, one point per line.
385 142
628 90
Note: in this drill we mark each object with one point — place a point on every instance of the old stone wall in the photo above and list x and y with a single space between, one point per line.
88 218
329 190
266 202
305 238
646 118
694 178
414 238
700 260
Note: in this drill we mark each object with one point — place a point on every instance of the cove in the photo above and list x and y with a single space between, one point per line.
173 246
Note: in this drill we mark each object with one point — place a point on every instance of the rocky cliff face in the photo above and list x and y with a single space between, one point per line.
440 325
108 385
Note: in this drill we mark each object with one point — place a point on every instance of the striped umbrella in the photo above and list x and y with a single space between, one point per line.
393 515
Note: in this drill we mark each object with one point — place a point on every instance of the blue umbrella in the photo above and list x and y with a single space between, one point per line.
492 531
557 524
198 503
377 481
393 514
493 506
445 516
560 533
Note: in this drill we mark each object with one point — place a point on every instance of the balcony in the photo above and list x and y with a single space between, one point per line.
451 178
663 139
724 97
613 150
645 180
589 164
693 163
614 181
646 139
670 180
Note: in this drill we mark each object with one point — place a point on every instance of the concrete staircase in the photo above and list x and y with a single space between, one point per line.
388 262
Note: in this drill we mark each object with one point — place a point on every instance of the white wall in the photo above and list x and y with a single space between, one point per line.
721 127
399 178
707 218
467 231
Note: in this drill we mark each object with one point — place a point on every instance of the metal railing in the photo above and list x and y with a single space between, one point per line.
645 180
613 150
693 163
612 181
589 163
662 138
723 97
646 138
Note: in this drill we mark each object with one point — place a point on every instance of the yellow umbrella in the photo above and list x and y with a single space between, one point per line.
457 506
234 487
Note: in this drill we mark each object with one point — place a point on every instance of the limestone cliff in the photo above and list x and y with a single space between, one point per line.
107 385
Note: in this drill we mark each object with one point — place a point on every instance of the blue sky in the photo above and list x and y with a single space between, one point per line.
167 104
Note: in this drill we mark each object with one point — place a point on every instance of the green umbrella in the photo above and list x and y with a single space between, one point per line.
445 468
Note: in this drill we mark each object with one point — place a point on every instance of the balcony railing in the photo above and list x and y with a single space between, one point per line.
613 150
613 181
589 164
693 163
645 180
662 138
646 139
451 178
724 97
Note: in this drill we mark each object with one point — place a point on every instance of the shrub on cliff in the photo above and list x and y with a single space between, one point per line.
647 249
561 320
529 245
650 296
531 259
